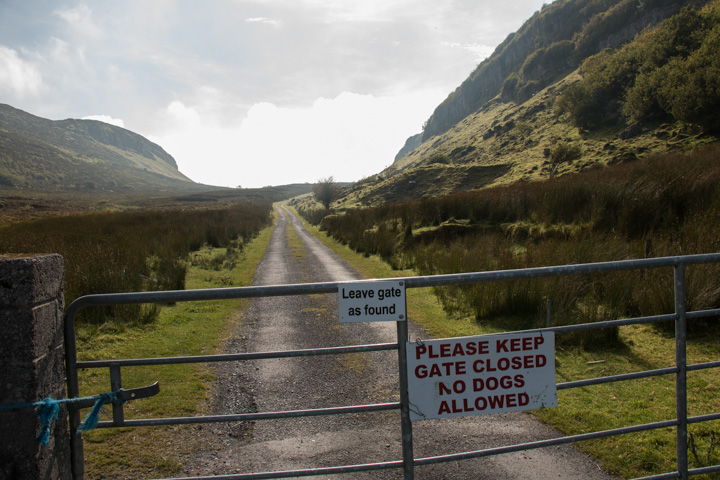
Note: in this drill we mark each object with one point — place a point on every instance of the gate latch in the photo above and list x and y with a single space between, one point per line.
124 395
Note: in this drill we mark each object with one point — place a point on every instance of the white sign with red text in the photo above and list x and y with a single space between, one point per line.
482 374
372 301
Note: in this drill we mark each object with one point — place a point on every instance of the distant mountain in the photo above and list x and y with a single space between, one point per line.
582 84
82 155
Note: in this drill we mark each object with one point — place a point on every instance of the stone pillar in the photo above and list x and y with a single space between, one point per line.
32 366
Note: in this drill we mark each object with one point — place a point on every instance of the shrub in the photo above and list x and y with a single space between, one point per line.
599 215
563 152
509 89
438 158
669 72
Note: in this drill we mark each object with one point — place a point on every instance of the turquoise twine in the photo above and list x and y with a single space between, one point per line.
49 409
48 412
91 420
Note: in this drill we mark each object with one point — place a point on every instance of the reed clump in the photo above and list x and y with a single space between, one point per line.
659 206
132 251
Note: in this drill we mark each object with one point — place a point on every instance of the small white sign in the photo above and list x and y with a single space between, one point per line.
482 374
374 301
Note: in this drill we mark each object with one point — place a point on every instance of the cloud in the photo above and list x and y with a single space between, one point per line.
18 78
106 119
349 137
264 21
481 51
79 19
252 92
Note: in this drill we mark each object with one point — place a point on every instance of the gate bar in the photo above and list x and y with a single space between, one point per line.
368 467
681 433
230 357
679 262
545 443
410 282
314 412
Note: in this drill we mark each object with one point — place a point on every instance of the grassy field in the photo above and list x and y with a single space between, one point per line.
201 328
601 407
195 328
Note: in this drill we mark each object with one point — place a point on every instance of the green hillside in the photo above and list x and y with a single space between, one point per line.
584 83
81 155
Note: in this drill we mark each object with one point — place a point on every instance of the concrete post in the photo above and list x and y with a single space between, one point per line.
32 366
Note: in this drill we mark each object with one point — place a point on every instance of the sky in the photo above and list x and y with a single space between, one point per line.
252 93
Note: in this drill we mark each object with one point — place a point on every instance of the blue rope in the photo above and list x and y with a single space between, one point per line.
91 420
48 412
49 409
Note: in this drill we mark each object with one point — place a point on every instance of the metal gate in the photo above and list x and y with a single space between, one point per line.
408 462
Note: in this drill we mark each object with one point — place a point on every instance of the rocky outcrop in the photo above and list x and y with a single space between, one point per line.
555 40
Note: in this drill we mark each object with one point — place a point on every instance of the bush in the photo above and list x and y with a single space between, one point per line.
669 72
544 63
563 152
599 215
691 89
438 158
595 101
508 92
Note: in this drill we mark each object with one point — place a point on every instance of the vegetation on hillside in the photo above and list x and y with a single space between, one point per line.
133 251
664 205
647 85
552 43
82 155
22 205
669 73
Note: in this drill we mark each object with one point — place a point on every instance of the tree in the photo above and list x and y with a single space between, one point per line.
326 190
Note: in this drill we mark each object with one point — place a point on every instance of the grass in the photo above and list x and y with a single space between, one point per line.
115 252
601 407
201 327
636 402
193 328
422 305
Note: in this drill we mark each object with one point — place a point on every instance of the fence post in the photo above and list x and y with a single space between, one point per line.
405 422
548 313
681 377
31 353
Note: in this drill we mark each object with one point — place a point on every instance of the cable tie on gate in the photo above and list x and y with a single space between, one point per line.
413 408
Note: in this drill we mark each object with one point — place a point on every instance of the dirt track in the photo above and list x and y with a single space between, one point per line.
273 385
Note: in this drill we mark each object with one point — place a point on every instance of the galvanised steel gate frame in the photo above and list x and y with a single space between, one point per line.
680 317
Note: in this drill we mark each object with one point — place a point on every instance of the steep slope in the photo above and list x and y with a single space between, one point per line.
41 154
516 129
553 41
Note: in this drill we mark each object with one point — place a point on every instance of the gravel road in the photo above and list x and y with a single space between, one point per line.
271 385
